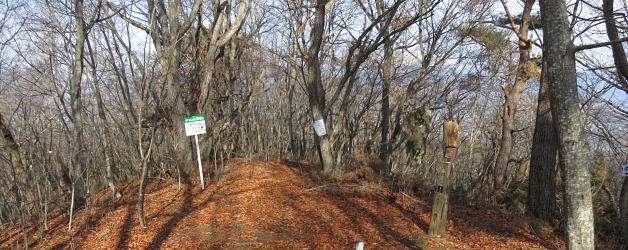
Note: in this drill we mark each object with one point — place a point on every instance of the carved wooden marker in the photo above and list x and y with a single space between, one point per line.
441 197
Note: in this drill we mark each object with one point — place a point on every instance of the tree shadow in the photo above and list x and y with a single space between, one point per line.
188 194
412 216
123 240
343 202
493 227
355 210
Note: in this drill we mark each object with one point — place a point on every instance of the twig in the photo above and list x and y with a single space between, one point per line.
320 187
411 198
338 185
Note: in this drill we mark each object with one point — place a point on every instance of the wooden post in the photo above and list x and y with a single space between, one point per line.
438 219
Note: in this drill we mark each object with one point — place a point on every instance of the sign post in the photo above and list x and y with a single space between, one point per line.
441 196
195 125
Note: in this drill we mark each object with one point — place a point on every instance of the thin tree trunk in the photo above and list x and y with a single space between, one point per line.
542 182
619 55
78 160
384 152
623 205
16 166
621 63
293 134
568 118
144 157
105 127
293 137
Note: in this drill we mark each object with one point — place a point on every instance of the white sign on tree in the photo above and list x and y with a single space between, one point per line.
195 125
319 127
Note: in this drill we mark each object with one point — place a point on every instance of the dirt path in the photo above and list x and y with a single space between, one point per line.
273 206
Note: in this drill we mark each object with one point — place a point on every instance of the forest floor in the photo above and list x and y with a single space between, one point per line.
279 204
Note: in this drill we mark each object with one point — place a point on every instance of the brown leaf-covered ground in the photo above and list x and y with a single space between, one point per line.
276 205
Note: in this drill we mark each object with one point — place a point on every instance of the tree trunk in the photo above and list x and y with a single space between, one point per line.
144 157
103 118
573 149
140 197
293 139
621 63
384 152
619 55
623 204
78 160
316 93
542 182
167 30
16 166
174 102
512 96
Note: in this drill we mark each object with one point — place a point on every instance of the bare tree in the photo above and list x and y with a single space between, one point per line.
621 63
512 92
316 93
78 161
17 172
619 55
103 118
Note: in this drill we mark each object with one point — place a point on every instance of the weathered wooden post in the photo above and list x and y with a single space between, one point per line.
441 197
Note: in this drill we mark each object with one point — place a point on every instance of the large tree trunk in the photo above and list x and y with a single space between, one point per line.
512 94
542 182
167 30
174 102
573 149
316 93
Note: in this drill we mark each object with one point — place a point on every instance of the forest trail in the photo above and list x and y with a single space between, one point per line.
273 205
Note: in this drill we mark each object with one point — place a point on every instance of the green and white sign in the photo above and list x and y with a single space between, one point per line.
195 125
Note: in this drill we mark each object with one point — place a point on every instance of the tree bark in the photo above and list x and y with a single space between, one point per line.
623 205
542 182
78 159
16 167
512 96
619 55
167 30
316 92
568 118
293 138
385 149
621 63
144 158
103 118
